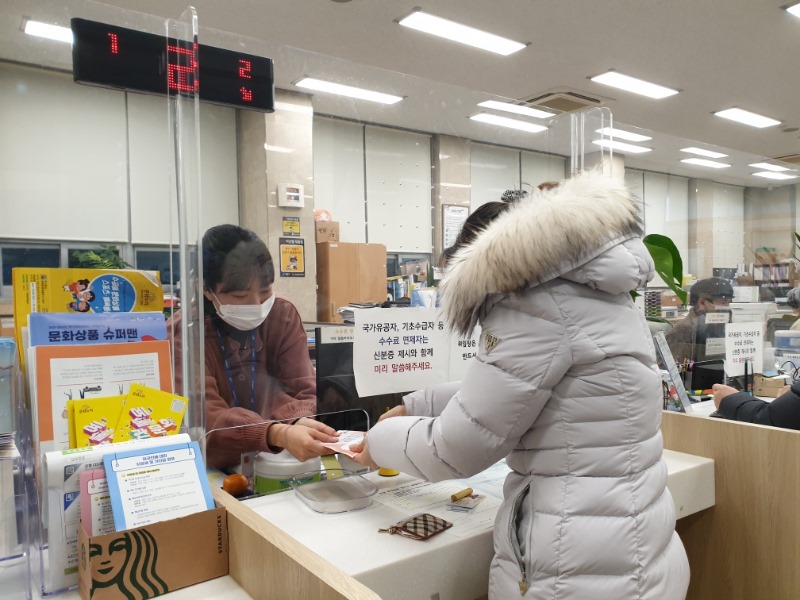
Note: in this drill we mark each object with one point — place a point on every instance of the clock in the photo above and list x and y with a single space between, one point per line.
110 56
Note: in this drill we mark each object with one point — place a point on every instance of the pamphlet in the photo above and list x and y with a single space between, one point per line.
93 421
61 373
53 329
149 412
95 501
148 486
82 291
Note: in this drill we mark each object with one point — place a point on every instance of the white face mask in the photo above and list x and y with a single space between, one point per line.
244 317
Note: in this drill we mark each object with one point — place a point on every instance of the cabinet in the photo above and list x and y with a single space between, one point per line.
348 273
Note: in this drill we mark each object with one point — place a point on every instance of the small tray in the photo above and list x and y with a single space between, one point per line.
340 491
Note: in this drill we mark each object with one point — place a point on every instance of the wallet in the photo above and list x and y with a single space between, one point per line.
419 527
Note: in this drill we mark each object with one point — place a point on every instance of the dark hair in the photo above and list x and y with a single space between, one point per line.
479 220
233 256
85 282
793 298
90 296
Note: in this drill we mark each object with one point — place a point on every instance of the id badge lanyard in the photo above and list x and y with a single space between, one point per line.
229 374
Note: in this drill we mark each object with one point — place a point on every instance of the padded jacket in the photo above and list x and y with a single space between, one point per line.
565 386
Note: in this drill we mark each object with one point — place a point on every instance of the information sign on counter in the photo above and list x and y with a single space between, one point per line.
405 349
744 341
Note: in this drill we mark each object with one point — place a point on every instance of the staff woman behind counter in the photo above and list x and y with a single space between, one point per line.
257 369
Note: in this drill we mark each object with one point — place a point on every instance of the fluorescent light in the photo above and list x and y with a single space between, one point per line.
463 34
703 152
506 122
623 135
773 175
794 10
747 117
346 90
281 149
768 167
51 32
622 146
705 163
517 109
632 84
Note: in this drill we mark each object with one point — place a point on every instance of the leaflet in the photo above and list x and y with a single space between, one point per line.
148 486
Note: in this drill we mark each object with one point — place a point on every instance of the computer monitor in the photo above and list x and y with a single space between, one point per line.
705 374
336 389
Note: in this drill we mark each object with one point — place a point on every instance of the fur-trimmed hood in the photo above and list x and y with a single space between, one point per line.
539 238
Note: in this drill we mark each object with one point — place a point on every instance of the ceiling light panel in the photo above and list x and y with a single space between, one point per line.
506 122
622 146
768 167
702 162
703 152
774 175
51 32
456 32
632 84
346 90
794 10
623 135
747 117
517 109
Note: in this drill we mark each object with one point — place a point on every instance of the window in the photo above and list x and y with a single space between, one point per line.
25 256
154 259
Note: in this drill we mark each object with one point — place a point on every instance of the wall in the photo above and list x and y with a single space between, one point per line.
94 164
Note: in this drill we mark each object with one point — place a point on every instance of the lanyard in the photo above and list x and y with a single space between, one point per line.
228 368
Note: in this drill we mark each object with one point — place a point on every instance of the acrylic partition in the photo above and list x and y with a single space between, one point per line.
97 171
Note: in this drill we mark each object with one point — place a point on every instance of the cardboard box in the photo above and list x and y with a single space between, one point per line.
327 231
348 273
768 386
158 558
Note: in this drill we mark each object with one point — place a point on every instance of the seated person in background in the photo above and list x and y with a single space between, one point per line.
793 300
687 339
784 411
257 368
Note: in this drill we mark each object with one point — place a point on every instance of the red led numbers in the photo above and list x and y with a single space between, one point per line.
181 77
113 43
244 73
244 68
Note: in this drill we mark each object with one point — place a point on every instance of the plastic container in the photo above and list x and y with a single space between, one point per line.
340 491
274 472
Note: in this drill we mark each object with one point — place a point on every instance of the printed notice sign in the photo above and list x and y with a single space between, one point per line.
291 226
292 257
152 485
744 341
404 349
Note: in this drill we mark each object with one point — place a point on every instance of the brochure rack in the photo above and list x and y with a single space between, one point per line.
15 563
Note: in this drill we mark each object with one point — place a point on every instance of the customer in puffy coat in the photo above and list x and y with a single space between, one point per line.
565 387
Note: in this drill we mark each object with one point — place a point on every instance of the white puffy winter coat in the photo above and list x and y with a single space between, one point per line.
565 385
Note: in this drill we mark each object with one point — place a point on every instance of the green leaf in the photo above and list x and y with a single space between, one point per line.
667 260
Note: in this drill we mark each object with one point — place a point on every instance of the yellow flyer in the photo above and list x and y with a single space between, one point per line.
292 257
93 421
149 413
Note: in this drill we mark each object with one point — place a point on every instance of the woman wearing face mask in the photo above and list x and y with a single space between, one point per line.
257 369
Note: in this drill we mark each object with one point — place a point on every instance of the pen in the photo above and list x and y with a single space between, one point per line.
746 385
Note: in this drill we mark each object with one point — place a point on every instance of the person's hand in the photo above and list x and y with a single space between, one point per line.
784 390
306 422
722 391
363 457
303 441
397 411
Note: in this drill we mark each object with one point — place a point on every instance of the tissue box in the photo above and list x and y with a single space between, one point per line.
768 386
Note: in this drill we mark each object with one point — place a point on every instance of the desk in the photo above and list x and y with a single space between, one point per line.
454 564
